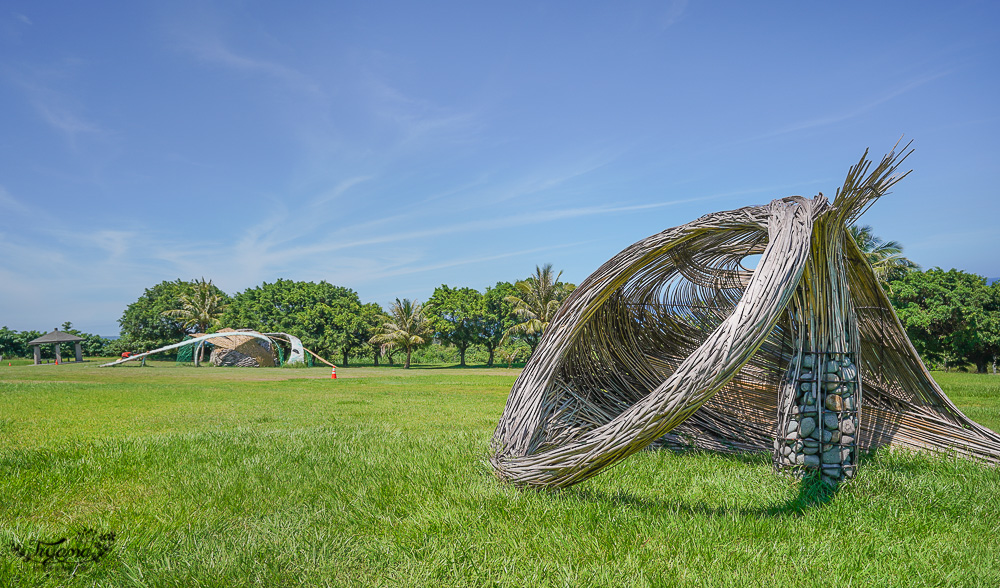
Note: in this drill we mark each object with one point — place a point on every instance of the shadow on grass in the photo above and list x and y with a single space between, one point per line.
813 493
435 366
455 366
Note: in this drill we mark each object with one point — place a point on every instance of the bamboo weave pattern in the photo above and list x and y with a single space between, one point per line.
673 341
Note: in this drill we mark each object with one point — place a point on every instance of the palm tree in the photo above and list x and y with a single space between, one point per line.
406 328
201 307
885 257
541 295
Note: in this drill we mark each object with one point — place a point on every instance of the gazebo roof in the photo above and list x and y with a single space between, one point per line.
56 336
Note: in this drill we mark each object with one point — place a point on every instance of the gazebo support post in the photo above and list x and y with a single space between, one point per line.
79 352
58 354
38 353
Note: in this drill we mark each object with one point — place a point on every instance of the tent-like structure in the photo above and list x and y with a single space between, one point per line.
674 341
55 338
240 348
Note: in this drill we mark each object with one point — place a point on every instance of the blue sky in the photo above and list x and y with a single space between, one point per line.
391 147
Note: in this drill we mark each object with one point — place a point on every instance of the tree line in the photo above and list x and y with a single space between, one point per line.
506 320
15 343
952 317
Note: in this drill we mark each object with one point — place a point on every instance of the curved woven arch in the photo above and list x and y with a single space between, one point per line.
238 340
673 341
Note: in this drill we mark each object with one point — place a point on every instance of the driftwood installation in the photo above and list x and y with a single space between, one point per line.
673 341
242 350
297 351
237 348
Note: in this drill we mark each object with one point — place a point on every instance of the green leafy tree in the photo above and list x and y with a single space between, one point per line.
950 316
15 343
455 315
144 326
201 305
92 345
322 315
360 326
511 354
46 351
12 344
497 318
536 303
989 332
885 257
407 328
372 317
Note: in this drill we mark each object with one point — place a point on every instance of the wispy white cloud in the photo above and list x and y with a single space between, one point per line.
213 50
416 121
277 245
116 244
339 190
854 112
553 178
265 251
10 204
460 190
548 176
23 18
412 269
43 89
674 13
50 273
64 119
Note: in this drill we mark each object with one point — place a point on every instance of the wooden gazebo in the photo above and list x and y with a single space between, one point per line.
56 337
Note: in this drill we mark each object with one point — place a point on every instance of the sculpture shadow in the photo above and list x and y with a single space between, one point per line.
812 493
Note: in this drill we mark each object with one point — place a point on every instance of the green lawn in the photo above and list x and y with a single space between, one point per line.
277 477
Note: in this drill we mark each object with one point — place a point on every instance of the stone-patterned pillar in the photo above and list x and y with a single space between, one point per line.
819 400
820 427
79 351
38 353
58 354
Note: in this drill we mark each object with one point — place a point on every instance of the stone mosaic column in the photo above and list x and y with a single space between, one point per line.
819 400
820 431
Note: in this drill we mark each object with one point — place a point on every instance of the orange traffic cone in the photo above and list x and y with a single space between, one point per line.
333 374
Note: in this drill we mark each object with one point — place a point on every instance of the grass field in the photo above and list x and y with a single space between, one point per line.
278 477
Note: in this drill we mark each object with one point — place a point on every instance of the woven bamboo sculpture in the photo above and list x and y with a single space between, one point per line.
673 341
239 350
